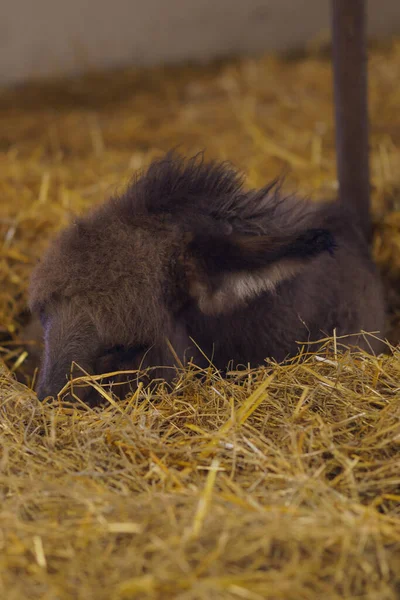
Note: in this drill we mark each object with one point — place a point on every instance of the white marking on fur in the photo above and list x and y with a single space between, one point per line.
236 289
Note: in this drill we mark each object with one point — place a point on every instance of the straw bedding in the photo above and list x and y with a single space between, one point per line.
276 483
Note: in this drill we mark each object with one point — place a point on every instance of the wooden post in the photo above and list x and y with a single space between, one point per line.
349 47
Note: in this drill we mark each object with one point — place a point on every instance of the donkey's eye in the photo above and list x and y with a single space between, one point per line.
113 350
125 352
116 358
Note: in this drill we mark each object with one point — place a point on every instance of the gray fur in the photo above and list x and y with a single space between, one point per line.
185 253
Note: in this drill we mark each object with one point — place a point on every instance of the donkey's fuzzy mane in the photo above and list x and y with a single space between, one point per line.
177 186
190 189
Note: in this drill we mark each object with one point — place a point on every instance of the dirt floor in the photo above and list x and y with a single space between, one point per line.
276 483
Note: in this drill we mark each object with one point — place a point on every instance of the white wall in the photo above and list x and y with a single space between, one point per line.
52 37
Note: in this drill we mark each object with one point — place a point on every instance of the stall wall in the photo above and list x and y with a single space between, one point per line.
53 37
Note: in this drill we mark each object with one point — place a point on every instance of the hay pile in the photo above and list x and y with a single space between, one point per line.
277 483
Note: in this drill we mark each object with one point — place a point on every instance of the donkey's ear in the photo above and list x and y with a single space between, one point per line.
224 272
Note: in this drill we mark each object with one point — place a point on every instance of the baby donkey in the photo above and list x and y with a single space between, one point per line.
186 264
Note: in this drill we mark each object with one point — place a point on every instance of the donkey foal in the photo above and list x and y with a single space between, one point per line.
186 254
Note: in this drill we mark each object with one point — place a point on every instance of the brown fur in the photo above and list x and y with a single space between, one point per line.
186 254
